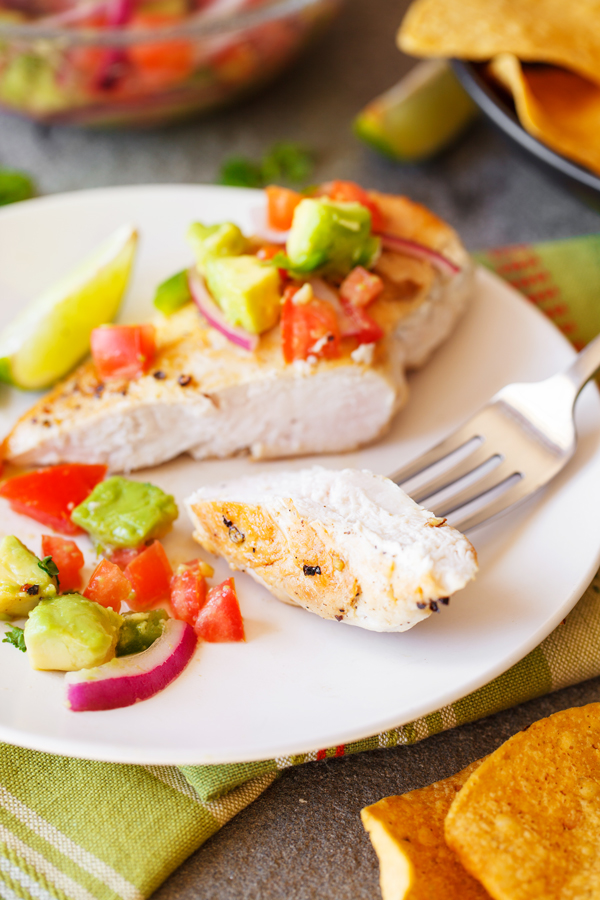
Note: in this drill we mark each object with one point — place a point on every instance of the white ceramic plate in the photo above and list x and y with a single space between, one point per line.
301 683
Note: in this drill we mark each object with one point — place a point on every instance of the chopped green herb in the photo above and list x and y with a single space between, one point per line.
16 637
282 261
50 568
15 186
286 161
240 172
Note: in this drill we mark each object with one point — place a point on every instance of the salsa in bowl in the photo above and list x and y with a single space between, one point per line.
119 63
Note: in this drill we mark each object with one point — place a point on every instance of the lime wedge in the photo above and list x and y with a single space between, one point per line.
418 116
53 333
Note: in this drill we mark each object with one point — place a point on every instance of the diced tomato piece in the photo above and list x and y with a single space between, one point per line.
267 253
350 192
236 64
150 574
362 326
108 586
50 495
122 351
68 558
188 592
161 63
308 328
360 287
357 290
281 204
122 556
220 619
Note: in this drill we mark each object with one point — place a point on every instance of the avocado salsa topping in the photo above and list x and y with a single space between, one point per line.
71 630
254 284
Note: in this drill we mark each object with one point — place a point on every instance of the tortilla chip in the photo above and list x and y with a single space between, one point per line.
559 108
562 32
407 833
527 821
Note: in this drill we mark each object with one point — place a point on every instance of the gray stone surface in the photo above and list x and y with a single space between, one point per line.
302 839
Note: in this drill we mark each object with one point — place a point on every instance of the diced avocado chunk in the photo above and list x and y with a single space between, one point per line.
172 294
246 289
22 582
139 631
124 513
331 237
29 82
215 240
70 633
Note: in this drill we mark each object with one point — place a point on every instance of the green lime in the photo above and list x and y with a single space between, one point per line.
418 116
53 333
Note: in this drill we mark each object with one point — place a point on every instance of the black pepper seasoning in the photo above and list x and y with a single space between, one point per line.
235 534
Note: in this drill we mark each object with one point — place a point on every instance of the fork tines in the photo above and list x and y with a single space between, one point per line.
470 477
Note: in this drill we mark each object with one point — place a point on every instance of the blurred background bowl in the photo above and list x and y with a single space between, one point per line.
500 110
107 64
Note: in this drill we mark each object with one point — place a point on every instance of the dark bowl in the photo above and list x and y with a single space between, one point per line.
499 109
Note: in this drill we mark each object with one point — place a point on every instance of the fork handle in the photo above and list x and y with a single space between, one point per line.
585 365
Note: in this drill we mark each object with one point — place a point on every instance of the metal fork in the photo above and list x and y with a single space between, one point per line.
508 450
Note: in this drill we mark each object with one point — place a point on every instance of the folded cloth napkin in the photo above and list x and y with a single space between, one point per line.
72 829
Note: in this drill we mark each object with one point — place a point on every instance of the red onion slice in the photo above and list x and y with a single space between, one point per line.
129 679
263 230
419 251
215 317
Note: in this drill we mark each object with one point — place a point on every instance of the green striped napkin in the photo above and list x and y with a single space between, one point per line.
77 830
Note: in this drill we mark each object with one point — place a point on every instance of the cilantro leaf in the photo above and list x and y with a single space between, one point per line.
16 637
48 566
286 161
240 172
15 186
282 261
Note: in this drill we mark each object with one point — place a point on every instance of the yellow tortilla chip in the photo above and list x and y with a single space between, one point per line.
407 833
563 32
559 108
527 821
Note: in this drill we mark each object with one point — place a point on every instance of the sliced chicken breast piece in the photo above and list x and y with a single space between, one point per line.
209 398
346 545
206 397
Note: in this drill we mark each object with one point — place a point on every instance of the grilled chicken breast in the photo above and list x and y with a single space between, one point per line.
346 545
206 397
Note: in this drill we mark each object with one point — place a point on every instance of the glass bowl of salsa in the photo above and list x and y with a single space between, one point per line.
128 63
